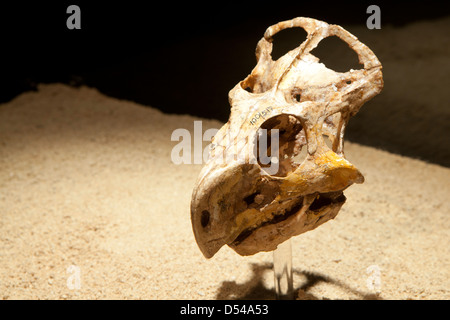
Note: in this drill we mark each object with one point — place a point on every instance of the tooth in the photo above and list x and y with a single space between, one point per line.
308 199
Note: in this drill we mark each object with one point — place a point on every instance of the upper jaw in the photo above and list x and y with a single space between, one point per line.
314 204
305 214
261 223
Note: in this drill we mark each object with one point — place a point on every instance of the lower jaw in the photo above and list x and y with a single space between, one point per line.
298 220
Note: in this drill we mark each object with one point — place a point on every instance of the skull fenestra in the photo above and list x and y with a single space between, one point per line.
240 202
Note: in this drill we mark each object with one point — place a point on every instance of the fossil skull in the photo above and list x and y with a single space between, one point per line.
240 201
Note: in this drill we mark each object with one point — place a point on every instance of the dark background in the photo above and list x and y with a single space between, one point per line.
180 56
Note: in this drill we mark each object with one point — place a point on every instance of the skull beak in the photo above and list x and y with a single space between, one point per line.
212 208
203 217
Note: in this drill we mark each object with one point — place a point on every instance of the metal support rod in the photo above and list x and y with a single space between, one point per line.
282 268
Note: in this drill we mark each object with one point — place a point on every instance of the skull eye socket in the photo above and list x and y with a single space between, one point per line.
281 145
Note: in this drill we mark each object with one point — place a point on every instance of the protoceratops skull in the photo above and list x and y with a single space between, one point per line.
241 201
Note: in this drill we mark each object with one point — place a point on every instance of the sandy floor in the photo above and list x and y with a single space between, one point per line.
88 192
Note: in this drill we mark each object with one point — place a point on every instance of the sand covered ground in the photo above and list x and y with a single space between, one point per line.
88 191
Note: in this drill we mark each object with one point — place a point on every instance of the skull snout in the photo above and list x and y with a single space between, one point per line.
215 203
207 207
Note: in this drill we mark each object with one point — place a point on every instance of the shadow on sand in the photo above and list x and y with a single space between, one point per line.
254 288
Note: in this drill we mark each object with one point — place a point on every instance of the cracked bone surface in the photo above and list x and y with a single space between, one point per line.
255 193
